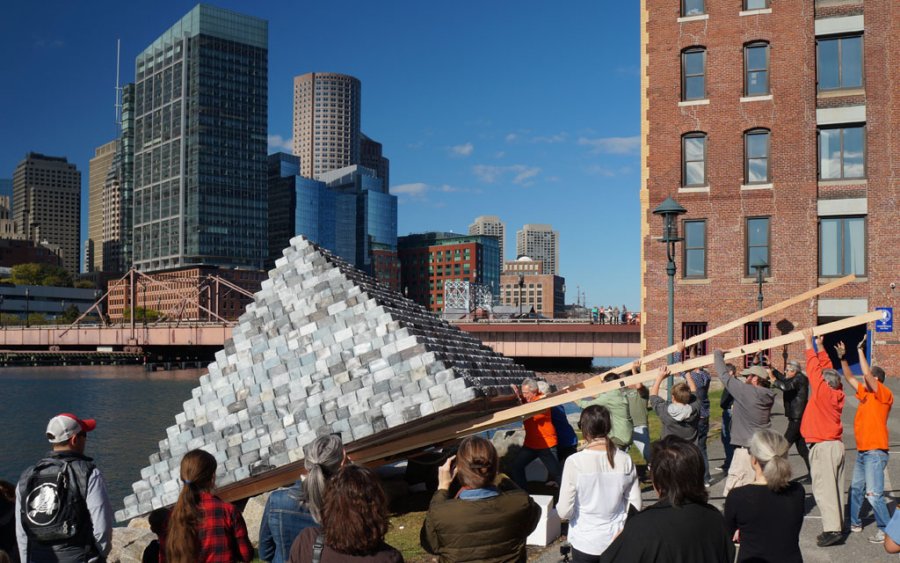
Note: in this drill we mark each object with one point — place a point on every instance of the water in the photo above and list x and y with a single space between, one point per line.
133 408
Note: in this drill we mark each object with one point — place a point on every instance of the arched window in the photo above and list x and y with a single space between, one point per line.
756 68
693 159
693 73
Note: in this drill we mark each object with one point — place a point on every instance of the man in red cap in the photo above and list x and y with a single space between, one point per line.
62 507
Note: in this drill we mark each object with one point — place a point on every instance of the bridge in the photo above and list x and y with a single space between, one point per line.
527 340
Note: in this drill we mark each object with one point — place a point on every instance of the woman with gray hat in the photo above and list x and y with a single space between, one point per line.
795 390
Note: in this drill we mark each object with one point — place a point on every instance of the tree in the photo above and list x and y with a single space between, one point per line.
26 274
85 284
141 315
70 314
40 274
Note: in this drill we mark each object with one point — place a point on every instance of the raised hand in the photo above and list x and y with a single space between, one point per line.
841 350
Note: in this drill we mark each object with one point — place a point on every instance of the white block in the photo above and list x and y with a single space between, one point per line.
548 528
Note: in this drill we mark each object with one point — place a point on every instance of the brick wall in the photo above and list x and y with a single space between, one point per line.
791 203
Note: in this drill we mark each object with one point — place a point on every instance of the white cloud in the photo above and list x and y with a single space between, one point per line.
499 154
462 150
416 189
613 145
279 143
551 139
521 174
512 138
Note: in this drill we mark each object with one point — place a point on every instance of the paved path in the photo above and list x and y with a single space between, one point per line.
857 549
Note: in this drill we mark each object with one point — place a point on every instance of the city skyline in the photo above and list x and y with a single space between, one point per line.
500 114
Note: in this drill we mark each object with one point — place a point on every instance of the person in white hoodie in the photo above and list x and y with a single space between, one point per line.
680 416
599 487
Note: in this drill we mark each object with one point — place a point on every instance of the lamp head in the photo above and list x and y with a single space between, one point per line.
669 210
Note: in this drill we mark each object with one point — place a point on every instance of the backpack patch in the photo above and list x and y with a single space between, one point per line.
52 507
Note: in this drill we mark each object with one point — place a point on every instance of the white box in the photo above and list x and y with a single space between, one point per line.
549 526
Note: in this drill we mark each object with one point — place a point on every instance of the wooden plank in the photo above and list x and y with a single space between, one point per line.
735 323
412 439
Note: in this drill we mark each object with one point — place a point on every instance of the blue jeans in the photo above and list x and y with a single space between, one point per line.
526 456
702 435
641 440
868 479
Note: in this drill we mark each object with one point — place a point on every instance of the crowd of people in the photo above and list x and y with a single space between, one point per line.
614 316
60 510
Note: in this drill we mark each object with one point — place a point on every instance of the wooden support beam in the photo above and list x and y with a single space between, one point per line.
735 323
413 440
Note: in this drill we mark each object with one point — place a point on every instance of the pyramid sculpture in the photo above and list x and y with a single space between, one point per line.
322 349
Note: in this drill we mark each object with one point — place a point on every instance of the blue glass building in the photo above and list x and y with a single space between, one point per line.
347 211
201 119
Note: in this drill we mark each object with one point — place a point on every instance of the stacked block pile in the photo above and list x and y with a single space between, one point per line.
322 349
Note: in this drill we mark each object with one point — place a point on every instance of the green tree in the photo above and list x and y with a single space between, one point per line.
26 274
70 314
40 274
85 284
35 319
141 315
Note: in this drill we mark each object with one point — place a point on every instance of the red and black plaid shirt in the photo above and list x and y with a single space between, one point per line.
222 533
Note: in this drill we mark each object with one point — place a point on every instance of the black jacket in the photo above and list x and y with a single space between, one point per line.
690 533
796 393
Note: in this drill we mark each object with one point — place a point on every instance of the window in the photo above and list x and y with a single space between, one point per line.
756 156
842 246
842 152
693 151
839 62
757 243
693 74
756 4
756 69
751 335
690 330
694 249
692 7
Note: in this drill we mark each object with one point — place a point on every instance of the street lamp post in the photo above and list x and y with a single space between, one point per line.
27 324
669 210
760 266
1 311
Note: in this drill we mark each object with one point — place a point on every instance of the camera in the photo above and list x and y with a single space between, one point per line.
564 550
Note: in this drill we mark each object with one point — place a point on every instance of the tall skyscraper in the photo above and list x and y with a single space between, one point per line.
802 197
98 170
47 204
490 225
539 242
326 121
201 107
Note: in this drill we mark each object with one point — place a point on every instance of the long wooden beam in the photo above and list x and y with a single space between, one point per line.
735 324
381 453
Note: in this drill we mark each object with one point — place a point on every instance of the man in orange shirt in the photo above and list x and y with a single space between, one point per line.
540 438
870 427
822 429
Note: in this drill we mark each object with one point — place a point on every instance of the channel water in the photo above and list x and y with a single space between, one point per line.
133 408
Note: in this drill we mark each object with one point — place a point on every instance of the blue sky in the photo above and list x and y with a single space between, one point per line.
528 110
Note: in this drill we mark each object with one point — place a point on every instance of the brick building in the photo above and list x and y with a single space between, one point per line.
525 286
429 259
773 127
180 292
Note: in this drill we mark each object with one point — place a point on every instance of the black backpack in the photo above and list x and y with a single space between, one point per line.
53 506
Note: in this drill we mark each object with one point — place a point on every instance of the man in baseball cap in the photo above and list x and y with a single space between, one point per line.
63 426
47 529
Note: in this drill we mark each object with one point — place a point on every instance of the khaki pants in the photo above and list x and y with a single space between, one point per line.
740 472
826 462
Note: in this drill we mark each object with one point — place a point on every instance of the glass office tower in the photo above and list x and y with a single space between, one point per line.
201 95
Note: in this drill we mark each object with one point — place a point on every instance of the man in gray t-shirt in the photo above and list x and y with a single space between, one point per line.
752 411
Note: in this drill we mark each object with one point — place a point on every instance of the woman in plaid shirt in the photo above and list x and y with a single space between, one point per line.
203 528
